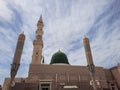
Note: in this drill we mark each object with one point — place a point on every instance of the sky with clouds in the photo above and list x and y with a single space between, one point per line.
65 24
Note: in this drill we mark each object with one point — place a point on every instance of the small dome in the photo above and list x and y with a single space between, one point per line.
59 57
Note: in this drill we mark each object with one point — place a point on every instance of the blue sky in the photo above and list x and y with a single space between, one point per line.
65 24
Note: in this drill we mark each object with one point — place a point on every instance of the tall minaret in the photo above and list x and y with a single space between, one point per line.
91 66
38 43
17 56
88 51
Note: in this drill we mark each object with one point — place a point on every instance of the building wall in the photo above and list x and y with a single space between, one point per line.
7 81
108 75
66 74
116 74
25 86
0 87
63 75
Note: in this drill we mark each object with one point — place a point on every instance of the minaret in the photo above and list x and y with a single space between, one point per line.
17 56
91 66
38 43
88 51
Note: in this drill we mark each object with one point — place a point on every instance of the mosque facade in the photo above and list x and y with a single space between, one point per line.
59 74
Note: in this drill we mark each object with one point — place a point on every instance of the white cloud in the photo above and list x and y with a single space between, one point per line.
3 73
5 12
62 31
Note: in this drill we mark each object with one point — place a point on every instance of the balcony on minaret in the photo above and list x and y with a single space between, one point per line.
39 32
39 43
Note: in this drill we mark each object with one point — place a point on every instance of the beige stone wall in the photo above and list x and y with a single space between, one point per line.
116 74
59 75
119 68
66 74
7 81
108 75
0 87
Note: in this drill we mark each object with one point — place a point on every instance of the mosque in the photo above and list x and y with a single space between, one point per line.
59 74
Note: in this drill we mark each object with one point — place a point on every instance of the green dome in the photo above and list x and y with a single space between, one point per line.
59 57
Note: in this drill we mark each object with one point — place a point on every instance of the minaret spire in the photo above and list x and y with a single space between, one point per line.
38 43
40 22
41 18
